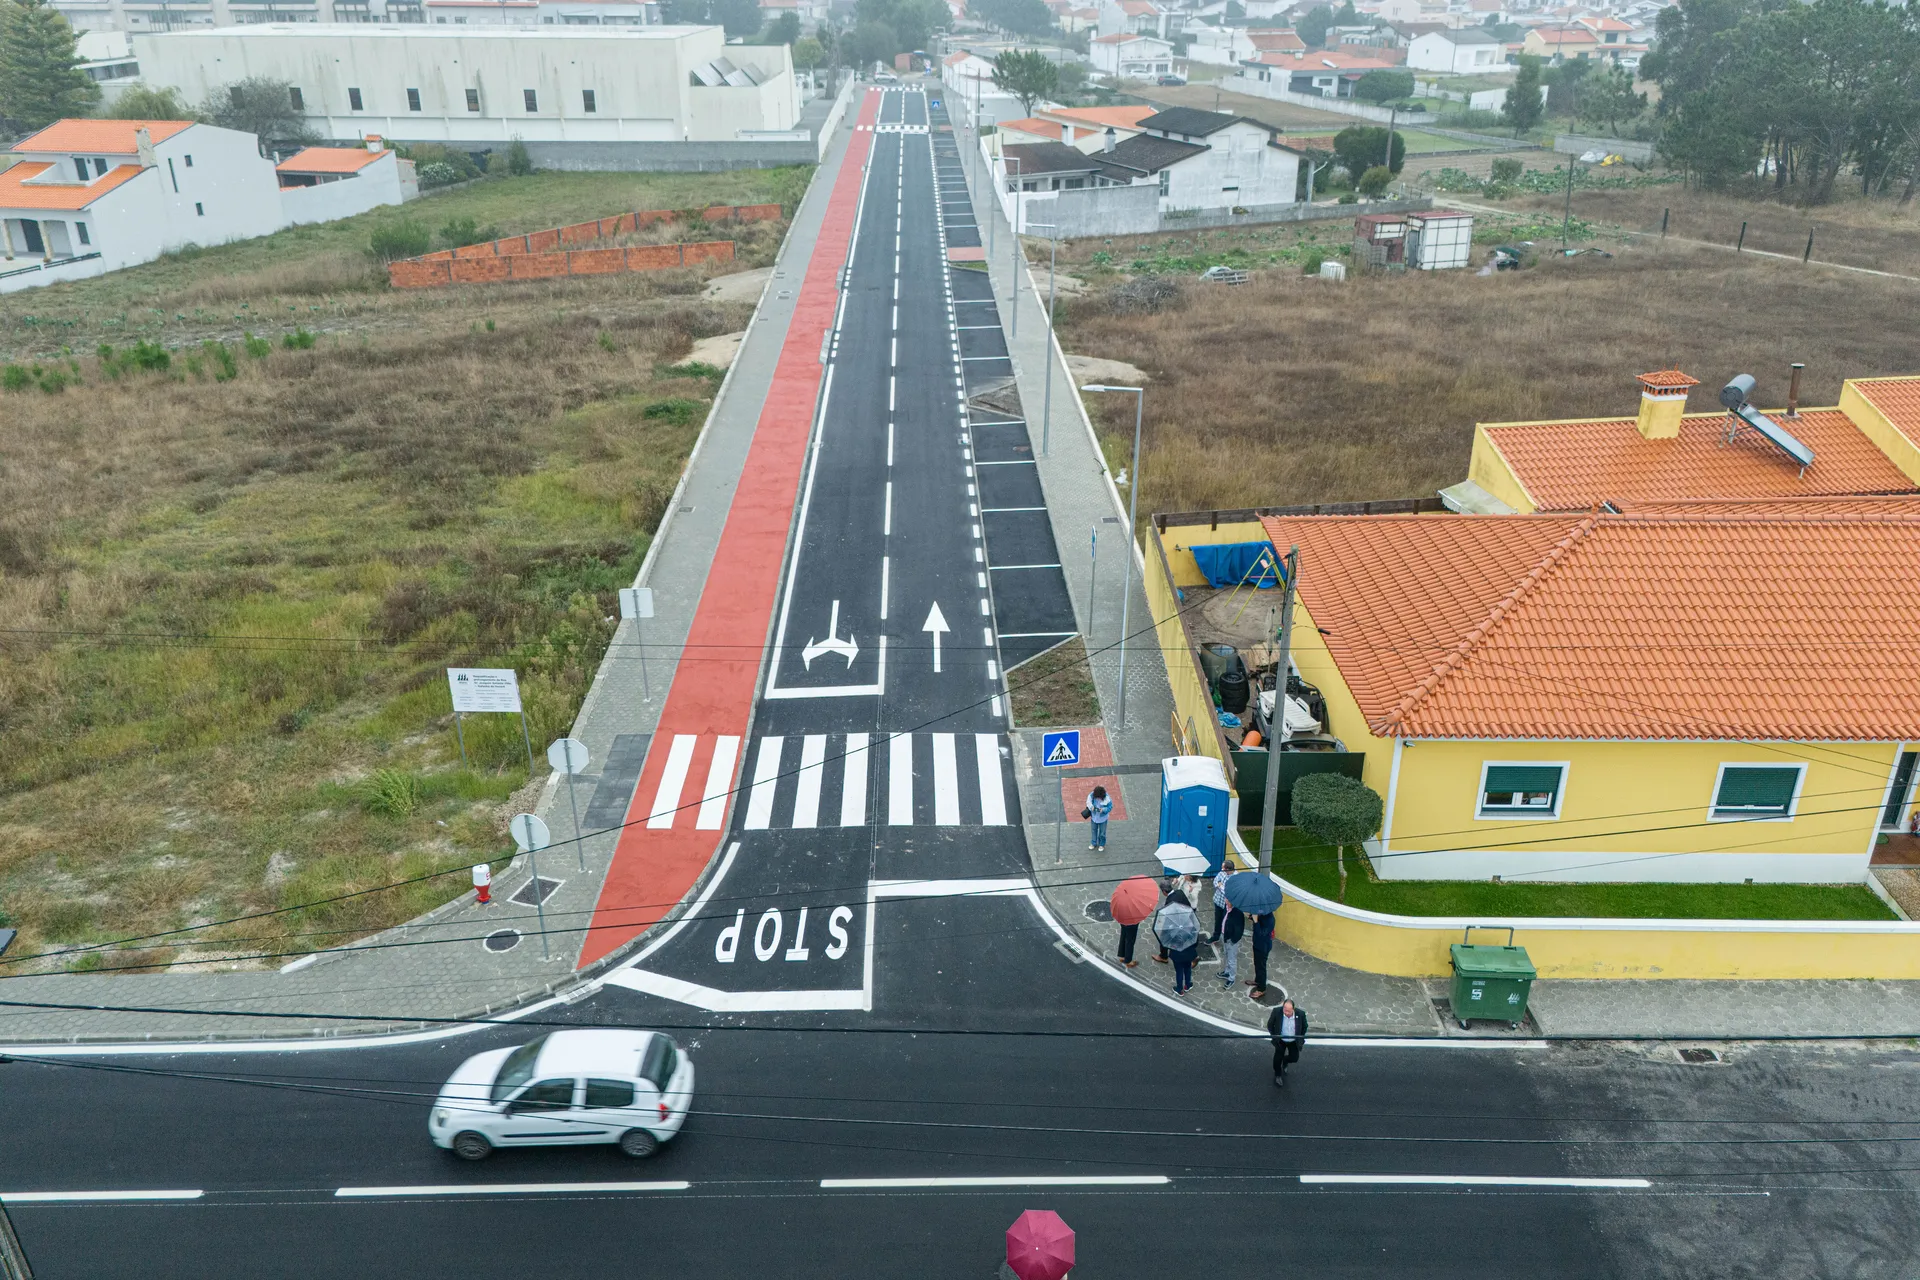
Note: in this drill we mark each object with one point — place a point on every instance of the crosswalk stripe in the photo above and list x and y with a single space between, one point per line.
900 780
946 783
666 801
766 770
993 801
713 801
813 758
853 787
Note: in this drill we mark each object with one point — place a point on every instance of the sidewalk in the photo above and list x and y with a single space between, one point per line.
1079 496
440 966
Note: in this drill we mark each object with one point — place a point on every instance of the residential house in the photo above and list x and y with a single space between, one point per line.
319 184
1461 52
1561 44
1141 18
1199 161
970 78
1083 128
1132 57
1323 74
86 197
1075 20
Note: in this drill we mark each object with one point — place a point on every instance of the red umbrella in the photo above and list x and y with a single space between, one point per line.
1040 1246
1134 900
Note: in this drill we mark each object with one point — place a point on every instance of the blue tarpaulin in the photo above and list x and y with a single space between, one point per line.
1230 564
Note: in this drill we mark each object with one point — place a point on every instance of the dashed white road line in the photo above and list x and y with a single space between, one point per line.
1466 1180
511 1189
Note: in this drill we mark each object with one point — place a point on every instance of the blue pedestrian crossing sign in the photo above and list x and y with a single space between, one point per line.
1060 749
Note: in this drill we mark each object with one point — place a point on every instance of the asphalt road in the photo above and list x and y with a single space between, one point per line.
939 1032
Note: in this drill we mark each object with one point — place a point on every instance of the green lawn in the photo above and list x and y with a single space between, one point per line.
1312 868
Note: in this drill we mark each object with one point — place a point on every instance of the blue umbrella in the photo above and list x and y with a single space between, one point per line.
1253 893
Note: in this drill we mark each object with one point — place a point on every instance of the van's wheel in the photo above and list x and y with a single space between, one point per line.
638 1143
472 1146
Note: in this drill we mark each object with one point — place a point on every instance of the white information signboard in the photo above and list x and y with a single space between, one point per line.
484 688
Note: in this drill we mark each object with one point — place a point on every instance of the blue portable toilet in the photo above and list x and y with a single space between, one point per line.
1193 805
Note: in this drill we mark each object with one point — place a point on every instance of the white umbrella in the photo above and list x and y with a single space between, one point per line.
1183 858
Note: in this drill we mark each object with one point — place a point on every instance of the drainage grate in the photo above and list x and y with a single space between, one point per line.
1099 911
501 940
1697 1056
524 894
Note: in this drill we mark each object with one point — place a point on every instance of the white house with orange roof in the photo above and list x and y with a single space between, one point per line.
320 184
90 196
1085 129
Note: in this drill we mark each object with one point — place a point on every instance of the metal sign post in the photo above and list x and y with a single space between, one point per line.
1093 576
570 756
1059 751
637 603
531 835
487 689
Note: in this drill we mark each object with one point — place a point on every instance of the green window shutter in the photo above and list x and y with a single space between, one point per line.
1523 777
1760 789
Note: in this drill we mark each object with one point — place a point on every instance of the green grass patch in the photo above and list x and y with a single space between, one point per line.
1312 867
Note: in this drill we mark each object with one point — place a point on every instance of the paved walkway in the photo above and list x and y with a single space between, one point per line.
439 966
1076 882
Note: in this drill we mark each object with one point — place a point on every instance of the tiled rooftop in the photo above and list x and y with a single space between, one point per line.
329 160
98 137
1723 626
17 192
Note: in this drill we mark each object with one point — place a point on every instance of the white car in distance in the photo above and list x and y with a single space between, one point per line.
568 1088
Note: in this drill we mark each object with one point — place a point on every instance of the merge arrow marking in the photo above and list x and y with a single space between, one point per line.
848 648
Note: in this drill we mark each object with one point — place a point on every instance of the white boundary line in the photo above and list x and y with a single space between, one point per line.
512 1189
1092 1180
1466 1180
92 1197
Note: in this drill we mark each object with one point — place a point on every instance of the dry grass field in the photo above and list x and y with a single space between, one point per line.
1296 390
231 584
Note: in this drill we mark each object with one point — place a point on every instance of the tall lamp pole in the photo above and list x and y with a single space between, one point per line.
1046 400
1013 225
1133 514
1270 796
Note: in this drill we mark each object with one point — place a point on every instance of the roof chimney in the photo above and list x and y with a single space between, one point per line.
1106 142
1663 399
143 143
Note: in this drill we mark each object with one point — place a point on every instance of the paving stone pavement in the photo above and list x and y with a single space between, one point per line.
1080 495
438 966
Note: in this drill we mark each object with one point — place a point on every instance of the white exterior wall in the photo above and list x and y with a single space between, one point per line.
1238 156
1219 46
640 78
1145 56
380 183
1434 52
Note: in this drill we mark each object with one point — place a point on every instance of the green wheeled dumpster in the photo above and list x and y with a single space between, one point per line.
1490 983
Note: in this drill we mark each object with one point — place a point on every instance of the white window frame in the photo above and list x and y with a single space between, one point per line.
1483 814
1793 804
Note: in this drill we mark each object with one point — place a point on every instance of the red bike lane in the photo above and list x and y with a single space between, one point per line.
676 820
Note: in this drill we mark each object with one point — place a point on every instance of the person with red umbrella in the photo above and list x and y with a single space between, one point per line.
1130 904
1039 1246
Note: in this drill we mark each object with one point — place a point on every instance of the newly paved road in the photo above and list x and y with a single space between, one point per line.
871 993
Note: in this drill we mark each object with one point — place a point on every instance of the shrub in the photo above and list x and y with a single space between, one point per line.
514 162
15 378
53 381
677 410
298 340
257 348
224 369
403 239
1374 182
1331 808
393 792
1310 265
1506 170
460 232
150 356
695 369
435 174
435 165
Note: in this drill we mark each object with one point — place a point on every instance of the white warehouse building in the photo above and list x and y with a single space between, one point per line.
579 97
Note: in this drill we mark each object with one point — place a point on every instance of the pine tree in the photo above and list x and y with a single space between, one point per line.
39 81
1523 107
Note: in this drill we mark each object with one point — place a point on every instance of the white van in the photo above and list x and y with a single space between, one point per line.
568 1088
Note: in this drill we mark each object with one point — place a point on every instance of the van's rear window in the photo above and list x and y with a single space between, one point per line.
517 1069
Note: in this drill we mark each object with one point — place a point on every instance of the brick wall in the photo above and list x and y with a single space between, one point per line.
519 264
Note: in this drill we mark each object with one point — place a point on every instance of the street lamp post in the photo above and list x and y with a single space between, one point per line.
1133 513
1046 399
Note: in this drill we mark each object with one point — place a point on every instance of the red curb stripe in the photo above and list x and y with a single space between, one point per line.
713 693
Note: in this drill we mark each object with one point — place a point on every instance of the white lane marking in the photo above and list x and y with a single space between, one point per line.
813 760
1465 1180
946 783
673 779
713 802
1032 1180
985 612
993 800
92 1197
766 772
900 780
889 442
890 392
886 521
853 786
995 711
513 1189
886 571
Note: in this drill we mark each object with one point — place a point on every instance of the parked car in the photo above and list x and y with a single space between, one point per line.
1173 81
568 1088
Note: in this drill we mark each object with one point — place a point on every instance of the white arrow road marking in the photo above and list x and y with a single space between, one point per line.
936 623
848 648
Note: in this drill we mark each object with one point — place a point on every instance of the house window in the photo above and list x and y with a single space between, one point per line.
473 99
82 166
199 210
189 162
294 97
81 227
413 99
1756 792
1521 790
1166 182
533 99
99 167
353 99
586 101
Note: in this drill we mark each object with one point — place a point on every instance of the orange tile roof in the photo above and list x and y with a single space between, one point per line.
1038 128
329 160
1119 117
1572 466
1763 626
98 137
1281 40
1897 398
1844 504
16 192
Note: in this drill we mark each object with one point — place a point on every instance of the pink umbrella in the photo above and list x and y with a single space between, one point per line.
1040 1246
1134 900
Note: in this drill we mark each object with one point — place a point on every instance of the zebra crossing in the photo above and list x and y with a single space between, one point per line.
900 780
